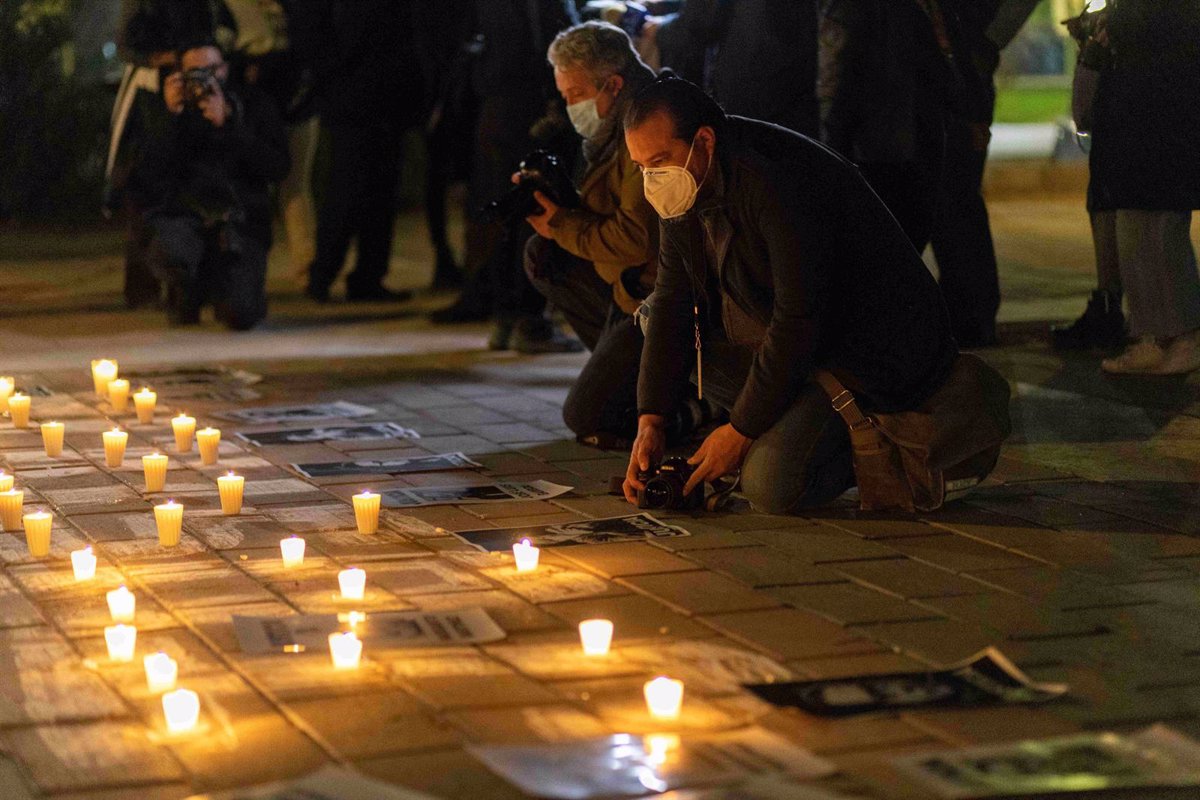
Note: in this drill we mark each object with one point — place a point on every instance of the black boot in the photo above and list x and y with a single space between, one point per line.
1101 326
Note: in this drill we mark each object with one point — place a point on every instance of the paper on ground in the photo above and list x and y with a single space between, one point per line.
311 412
465 495
630 528
310 632
391 466
329 783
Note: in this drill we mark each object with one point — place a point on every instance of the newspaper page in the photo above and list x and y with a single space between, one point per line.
631 528
392 466
302 632
330 433
312 412
329 783
465 495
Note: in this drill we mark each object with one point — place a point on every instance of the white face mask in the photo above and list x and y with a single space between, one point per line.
671 190
585 118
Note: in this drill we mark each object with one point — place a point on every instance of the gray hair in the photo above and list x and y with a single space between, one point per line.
600 49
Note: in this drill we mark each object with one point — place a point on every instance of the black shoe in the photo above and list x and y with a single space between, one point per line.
446 273
534 336
181 308
461 312
377 294
502 334
1101 326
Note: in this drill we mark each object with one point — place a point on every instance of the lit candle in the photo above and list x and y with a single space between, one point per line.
181 708
664 696
121 640
353 583
84 563
104 371
345 649
121 604
168 517
184 427
596 635
37 532
366 511
7 384
526 556
118 395
209 440
114 447
6 481
11 502
293 551
18 409
231 488
161 672
52 438
154 467
144 401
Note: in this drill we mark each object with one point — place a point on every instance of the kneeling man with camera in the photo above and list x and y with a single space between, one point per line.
202 168
783 283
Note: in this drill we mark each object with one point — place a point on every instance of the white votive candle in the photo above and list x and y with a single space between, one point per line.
122 604
184 428
526 556
7 385
6 481
37 532
209 441
83 562
52 438
596 636
181 709
144 401
118 395
231 488
154 468
345 649
168 517
121 640
104 371
353 583
664 697
11 502
18 409
114 447
292 549
366 511
161 672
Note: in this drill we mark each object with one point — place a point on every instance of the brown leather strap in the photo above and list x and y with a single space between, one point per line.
842 400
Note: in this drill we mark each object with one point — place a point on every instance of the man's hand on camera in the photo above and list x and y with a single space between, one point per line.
722 453
541 222
648 449
214 107
172 91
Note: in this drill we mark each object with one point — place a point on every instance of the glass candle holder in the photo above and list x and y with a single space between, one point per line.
161 672
168 517
184 428
7 385
52 438
209 442
292 549
353 583
664 697
366 511
18 409
181 710
526 556
122 604
11 503
83 563
38 525
154 468
596 636
231 488
114 447
121 640
144 402
104 371
118 395
6 481
345 649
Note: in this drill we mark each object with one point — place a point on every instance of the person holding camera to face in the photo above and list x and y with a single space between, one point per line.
596 260
207 156
777 260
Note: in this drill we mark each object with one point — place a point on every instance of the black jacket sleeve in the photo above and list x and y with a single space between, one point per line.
256 138
668 353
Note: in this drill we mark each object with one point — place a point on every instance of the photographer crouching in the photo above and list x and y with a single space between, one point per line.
784 282
203 162
595 261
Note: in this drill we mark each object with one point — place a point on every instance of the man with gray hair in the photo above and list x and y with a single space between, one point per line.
596 262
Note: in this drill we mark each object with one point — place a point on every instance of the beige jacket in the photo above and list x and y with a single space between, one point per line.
616 229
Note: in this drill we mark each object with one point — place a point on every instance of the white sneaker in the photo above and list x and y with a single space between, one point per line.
1142 357
1182 355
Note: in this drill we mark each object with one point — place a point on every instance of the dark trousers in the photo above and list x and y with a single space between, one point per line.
358 204
201 265
962 240
603 398
141 287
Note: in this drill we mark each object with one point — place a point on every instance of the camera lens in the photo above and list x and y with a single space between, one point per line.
659 494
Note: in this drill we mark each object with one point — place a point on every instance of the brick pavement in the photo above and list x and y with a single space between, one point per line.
1080 560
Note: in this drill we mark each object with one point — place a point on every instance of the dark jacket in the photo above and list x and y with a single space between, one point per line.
516 35
1146 113
183 165
812 257
764 60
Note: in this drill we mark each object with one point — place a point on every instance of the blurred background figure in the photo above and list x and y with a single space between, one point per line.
514 87
369 91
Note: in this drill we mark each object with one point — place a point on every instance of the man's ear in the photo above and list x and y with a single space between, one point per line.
618 83
706 135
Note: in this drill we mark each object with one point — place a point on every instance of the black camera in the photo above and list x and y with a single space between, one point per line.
198 84
539 171
664 487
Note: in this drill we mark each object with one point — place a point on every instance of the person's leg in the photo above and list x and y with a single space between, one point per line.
1102 323
572 286
438 173
804 460
603 399
962 241
175 253
341 202
383 147
242 302
295 197
141 287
